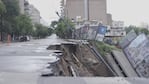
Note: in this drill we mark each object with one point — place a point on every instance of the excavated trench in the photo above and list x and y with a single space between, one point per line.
78 60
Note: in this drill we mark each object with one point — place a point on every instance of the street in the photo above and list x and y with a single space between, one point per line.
22 62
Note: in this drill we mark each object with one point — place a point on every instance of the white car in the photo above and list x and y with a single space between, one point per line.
24 38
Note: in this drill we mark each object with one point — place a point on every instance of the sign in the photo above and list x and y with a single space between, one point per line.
102 30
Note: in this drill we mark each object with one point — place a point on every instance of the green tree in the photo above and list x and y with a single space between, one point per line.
24 25
138 30
2 8
50 31
53 24
145 31
12 8
60 29
2 11
64 28
42 31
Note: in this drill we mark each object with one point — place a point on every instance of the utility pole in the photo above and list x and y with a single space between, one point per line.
1 29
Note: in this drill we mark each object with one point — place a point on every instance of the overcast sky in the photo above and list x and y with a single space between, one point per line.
47 8
130 11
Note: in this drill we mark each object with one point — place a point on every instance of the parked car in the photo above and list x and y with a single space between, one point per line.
24 38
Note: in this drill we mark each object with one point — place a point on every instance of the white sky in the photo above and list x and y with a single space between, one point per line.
47 9
130 11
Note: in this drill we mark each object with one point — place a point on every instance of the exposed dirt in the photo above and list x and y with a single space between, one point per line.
80 61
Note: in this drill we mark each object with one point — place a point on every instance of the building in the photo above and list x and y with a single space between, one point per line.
26 7
117 29
21 5
109 19
97 10
30 10
33 13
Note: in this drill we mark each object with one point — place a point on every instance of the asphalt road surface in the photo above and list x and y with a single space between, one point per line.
22 62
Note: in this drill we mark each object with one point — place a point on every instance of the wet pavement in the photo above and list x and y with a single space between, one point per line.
22 62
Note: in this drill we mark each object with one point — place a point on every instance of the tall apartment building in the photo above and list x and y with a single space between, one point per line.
21 5
30 10
33 13
97 10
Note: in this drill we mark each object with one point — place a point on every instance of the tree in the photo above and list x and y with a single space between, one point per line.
145 31
2 8
53 24
138 30
60 29
64 28
9 10
24 25
50 31
42 31
7 27
2 11
12 7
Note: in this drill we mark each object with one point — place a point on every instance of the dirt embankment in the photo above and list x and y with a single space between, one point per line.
78 60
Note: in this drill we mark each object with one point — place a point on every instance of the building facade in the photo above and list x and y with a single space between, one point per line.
97 10
116 30
33 13
109 19
21 5
30 10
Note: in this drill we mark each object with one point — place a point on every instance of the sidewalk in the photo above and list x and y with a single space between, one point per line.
1 43
5 43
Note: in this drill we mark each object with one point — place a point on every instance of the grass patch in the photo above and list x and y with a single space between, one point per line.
104 48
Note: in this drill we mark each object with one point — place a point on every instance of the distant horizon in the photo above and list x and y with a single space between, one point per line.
132 12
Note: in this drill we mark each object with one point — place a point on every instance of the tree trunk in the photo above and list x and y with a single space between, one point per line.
1 26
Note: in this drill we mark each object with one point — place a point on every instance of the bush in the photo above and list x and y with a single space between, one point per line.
41 31
104 48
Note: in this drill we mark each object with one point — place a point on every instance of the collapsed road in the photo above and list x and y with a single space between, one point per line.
83 60
32 62
79 60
